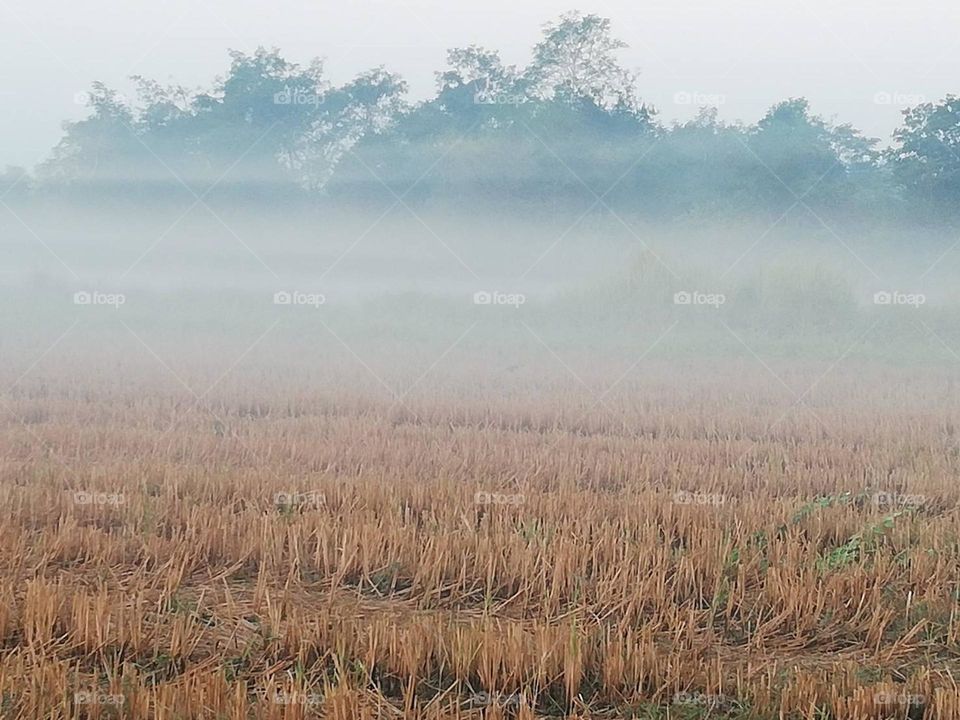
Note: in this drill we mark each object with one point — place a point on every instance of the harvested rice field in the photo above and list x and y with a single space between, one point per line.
695 540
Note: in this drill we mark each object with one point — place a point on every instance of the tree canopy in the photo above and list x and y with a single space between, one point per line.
569 123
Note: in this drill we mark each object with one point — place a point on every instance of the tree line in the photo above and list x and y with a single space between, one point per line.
571 124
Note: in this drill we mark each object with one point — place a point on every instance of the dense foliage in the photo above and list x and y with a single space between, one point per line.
568 126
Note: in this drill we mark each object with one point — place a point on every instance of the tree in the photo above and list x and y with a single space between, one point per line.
564 131
100 147
267 121
698 166
804 157
577 61
480 71
253 116
926 154
368 105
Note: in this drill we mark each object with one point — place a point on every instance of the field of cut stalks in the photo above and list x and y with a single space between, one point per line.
493 542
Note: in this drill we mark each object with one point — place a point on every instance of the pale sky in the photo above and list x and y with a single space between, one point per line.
856 61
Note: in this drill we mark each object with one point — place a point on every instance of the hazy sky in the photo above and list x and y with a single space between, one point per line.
855 61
